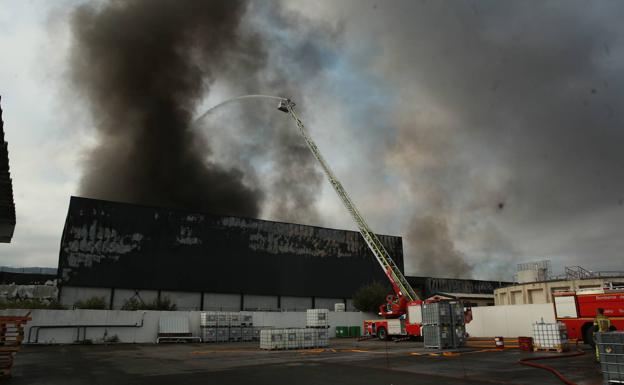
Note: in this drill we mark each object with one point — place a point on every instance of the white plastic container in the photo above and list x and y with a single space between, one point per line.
322 338
293 338
316 318
209 334
223 319
235 320
246 318
306 337
208 319
236 334
299 338
272 339
256 332
247 333
551 336
223 334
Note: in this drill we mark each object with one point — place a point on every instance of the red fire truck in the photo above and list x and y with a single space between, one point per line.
408 325
577 309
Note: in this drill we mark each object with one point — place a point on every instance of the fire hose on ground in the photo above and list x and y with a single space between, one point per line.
528 362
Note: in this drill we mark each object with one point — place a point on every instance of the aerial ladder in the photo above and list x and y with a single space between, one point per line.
396 303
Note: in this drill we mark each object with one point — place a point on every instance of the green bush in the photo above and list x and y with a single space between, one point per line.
34 303
369 297
132 304
92 303
157 304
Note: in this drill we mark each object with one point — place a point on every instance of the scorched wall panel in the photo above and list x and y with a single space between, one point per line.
109 244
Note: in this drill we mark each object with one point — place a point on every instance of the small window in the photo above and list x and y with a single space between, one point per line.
565 307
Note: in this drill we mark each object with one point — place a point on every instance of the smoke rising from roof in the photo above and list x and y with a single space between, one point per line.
143 65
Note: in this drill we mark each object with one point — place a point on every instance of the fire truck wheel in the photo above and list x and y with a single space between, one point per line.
588 335
382 334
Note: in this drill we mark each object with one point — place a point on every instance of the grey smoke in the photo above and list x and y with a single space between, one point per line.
434 249
511 102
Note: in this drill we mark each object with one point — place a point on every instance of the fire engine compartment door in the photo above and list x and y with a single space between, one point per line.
414 314
565 307
395 327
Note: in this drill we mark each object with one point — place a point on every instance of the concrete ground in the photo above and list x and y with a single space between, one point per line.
346 362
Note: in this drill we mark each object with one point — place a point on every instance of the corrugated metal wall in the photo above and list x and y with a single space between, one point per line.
109 244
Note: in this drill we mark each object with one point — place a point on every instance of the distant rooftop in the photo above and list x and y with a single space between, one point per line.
7 206
540 271
29 270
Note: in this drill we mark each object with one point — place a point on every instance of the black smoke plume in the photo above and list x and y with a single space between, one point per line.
142 66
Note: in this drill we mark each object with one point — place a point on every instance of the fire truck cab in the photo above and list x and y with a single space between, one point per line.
577 309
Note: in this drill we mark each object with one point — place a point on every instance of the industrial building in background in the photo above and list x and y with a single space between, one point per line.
535 283
7 206
208 262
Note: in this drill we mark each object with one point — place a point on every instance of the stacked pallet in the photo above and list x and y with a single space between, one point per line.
223 326
443 324
314 335
293 338
317 318
11 337
611 350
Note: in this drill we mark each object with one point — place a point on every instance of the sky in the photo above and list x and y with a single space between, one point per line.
484 133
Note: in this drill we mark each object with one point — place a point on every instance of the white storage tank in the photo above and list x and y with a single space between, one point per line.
247 334
223 319
322 338
271 339
223 334
235 334
306 337
291 338
246 318
550 336
209 334
235 319
208 319
317 318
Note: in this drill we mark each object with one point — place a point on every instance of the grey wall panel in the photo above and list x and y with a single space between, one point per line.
260 302
224 302
296 303
326 303
183 300
122 295
71 295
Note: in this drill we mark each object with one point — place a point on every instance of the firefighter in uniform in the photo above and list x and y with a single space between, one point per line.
601 324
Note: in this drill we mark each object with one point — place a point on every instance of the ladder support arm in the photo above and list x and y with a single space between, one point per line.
399 283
